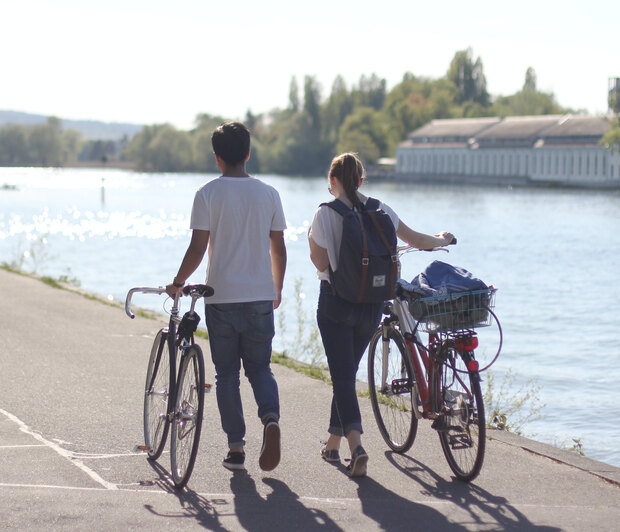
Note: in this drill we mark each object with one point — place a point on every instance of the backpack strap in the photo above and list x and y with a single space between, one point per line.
372 204
337 205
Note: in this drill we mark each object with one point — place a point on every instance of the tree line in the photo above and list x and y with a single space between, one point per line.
49 144
366 118
301 138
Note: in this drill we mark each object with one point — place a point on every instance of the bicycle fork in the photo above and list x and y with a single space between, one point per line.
397 386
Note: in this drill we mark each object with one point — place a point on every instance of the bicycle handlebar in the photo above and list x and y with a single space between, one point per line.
408 248
142 290
193 290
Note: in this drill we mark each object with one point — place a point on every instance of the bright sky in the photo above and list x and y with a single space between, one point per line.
153 61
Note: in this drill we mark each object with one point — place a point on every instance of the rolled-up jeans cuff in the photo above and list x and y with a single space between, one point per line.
353 426
270 416
336 431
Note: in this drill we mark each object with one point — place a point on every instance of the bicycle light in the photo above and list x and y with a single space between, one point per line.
466 343
472 365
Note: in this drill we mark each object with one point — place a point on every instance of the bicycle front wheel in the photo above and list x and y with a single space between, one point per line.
188 411
392 389
156 394
462 432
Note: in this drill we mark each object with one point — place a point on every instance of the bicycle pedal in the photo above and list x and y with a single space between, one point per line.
142 448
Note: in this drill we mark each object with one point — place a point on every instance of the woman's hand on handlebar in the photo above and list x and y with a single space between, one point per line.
448 238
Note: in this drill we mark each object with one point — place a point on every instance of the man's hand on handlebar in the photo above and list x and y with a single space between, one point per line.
173 289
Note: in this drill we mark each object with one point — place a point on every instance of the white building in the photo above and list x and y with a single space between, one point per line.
562 149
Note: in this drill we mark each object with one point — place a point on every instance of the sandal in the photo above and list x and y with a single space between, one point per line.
330 455
359 459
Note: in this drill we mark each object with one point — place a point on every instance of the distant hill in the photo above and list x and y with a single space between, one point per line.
90 129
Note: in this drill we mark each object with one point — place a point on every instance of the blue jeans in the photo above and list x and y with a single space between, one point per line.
346 329
242 332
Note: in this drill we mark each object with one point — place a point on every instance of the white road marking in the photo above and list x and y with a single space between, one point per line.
62 452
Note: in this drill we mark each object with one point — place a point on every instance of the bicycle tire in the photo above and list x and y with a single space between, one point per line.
463 436
188 412
393 410
156 395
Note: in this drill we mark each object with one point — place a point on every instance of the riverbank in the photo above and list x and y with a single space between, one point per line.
90 358
574 459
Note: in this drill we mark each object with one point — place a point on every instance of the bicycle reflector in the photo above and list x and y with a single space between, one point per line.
466 343
472 365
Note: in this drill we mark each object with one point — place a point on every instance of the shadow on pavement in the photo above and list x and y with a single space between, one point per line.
280 510
192 505
483 508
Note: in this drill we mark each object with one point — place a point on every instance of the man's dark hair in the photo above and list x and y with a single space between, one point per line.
231 142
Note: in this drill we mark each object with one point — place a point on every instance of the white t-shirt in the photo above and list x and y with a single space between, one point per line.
326 231
239 213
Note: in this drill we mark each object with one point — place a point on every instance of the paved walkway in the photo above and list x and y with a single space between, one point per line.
71 416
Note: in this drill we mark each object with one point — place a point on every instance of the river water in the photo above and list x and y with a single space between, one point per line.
554 255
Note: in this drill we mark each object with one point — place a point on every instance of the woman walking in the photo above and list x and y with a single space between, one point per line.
347 327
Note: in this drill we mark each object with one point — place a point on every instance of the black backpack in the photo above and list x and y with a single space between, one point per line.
367 259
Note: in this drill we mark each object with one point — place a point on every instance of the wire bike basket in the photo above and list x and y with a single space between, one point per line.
454 312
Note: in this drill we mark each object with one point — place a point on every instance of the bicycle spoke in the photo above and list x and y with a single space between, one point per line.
188 416
462 408
391 386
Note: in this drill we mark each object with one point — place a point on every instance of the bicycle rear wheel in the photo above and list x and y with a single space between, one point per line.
156 395
188 411
392 389
462 433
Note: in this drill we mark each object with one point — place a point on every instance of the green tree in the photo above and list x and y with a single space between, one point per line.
45 143
338 106
611 139
364 132
312 104
530 80
14 145
72 143
170 150
468 76
370 92
293 96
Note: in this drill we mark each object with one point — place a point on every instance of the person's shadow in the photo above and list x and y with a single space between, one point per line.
280 510
486 511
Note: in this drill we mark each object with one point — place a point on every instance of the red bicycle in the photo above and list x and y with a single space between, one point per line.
439 379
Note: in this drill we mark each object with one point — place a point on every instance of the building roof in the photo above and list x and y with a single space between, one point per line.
462 128
579 126
519 127
512 131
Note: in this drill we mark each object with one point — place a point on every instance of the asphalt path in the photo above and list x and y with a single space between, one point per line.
71 392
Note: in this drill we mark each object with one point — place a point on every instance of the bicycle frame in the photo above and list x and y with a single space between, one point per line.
424 366
171 338
422 363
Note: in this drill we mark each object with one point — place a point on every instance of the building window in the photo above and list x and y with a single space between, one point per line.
527 164
596 164
564 165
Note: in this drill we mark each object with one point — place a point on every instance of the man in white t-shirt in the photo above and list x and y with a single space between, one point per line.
240 221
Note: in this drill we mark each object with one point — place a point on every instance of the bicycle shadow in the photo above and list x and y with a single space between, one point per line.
485 510
280 510
192 505
394 513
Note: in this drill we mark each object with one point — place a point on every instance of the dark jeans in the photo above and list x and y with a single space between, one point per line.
346 329
242 332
